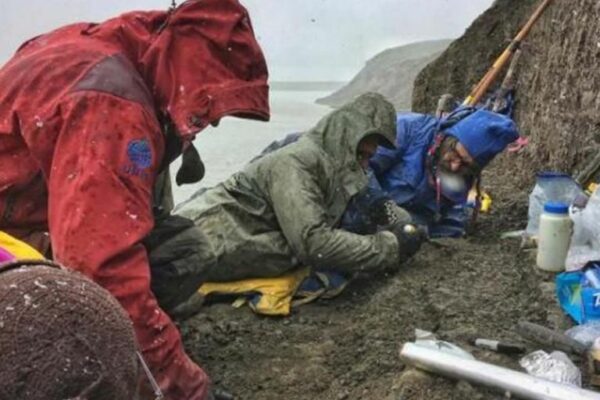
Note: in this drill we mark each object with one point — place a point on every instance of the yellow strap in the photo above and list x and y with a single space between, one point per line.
19 249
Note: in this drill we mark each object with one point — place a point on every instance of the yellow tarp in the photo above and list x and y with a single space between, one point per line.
276 293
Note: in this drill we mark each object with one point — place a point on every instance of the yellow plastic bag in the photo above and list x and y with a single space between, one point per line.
486 200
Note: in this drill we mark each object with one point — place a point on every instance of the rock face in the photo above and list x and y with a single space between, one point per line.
390 73
558 89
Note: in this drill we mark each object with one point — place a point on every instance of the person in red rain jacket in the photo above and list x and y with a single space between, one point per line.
82 111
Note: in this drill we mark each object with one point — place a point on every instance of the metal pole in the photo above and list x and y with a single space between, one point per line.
157 392
506 380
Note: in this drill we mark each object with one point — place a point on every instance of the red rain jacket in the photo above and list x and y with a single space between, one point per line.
81 144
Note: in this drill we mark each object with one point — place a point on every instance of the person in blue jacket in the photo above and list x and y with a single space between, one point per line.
437 161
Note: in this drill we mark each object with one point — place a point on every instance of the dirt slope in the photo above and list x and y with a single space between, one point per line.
390 73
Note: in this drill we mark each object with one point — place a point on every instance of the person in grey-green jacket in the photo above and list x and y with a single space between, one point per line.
282 211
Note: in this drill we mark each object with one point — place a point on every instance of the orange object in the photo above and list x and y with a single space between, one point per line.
492 73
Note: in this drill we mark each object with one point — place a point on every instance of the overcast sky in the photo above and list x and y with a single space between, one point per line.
302 39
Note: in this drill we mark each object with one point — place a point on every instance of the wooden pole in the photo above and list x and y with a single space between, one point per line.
493 72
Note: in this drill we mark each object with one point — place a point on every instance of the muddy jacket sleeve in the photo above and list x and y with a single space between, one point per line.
299 205
100 185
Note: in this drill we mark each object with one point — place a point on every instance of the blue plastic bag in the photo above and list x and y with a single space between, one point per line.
578 293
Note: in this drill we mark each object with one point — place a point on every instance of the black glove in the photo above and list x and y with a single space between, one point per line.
385 212
410 237
192 167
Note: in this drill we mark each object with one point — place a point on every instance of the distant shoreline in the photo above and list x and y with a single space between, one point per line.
306 86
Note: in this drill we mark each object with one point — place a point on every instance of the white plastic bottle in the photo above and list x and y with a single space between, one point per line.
554 238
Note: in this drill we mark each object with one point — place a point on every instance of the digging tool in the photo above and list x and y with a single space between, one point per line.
547 337
489 78
498 346
507 84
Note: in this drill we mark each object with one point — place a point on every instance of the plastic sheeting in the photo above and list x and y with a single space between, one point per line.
550 186
555 367
585 243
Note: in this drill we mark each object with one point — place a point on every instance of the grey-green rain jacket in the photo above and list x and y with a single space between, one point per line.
282 210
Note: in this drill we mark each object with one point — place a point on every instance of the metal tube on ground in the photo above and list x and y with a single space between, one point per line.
506 380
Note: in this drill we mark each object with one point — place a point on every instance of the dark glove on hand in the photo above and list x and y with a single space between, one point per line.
385 212
410 237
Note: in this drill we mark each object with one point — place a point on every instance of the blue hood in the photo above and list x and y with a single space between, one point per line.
484 134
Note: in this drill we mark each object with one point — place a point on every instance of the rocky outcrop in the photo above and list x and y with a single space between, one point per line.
390 73
558 88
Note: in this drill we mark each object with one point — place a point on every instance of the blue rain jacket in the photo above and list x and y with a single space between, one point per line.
402 172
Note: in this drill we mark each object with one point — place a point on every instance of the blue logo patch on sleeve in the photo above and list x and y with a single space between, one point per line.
140 155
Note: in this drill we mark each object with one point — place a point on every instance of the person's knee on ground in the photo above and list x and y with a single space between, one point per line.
169 248
180 261
62 336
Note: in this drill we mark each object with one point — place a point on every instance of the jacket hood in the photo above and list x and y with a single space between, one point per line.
201 61
484 134
340 132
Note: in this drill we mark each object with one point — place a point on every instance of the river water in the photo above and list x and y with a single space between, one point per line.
228 147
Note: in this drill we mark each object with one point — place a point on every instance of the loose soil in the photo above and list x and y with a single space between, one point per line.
347 348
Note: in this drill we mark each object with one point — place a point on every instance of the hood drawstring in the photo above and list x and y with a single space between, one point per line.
478 196
438 197
431 168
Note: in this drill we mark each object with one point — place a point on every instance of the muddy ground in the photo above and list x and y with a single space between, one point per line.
347 348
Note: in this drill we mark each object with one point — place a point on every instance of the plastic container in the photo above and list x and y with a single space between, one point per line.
550 187
556 229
